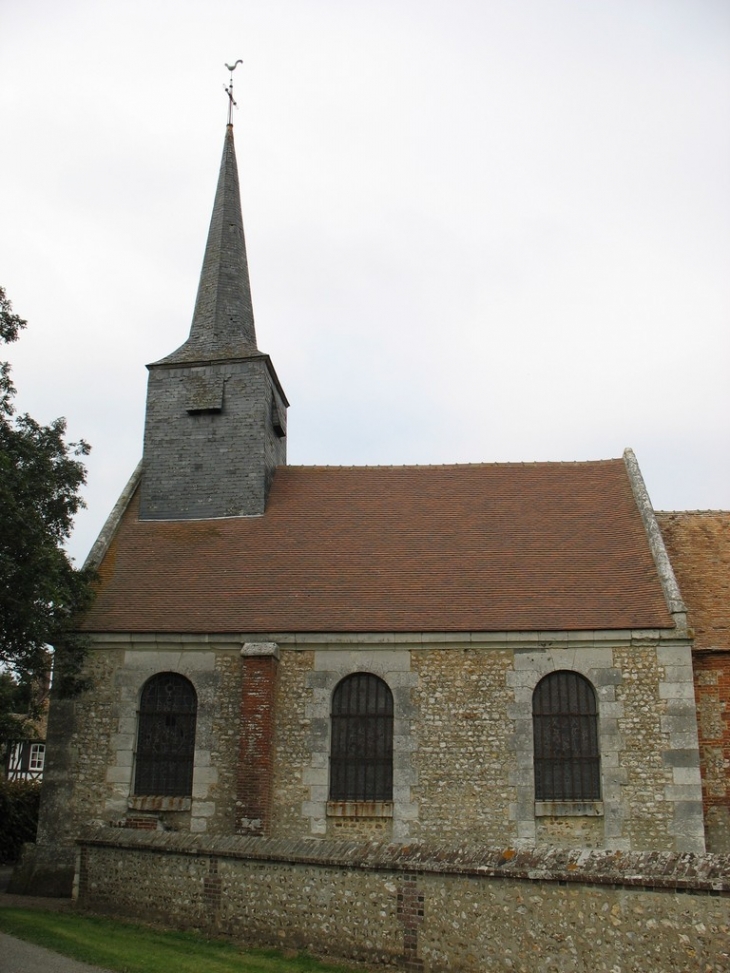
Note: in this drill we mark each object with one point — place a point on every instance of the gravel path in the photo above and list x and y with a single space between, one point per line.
17 956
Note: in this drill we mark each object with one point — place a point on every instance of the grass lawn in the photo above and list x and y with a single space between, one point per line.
129 948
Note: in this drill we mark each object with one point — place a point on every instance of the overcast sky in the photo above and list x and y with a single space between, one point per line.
478 230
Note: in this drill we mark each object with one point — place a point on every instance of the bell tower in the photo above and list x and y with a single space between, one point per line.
215 428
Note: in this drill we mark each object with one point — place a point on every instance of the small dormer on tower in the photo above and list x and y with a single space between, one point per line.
215 428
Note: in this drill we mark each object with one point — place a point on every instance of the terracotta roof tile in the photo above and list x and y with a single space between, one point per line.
504 547
698 544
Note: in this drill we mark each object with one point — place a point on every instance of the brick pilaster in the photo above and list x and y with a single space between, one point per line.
212 887
256 755
410 913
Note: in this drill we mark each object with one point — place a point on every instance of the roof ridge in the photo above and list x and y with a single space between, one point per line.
699 510
495 464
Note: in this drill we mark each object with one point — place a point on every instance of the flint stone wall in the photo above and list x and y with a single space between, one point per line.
422 908
463 761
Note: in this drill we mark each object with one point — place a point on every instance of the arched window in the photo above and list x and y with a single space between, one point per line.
565 731
361 760
166 737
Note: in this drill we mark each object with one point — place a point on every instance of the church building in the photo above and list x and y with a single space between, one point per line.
321 659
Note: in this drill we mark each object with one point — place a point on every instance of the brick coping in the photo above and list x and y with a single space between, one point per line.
668 871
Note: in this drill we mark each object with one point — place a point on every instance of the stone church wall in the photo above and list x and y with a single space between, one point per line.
463 770
424 909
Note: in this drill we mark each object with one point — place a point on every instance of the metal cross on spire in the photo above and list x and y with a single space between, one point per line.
229 90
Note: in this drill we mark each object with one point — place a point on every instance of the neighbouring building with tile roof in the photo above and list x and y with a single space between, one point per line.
487 656
698 543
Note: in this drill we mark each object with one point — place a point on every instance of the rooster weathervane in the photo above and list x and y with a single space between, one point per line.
229 90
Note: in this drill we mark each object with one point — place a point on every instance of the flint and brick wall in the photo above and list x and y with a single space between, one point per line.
463 770
712 688
424 908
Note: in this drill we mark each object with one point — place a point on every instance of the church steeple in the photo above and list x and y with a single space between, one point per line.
223 325
216 413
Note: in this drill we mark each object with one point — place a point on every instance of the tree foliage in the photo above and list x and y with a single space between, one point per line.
41 593
19 803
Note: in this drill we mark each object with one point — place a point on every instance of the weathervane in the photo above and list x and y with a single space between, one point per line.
229 90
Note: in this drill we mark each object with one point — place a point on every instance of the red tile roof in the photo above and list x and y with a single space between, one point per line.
504 547
698 544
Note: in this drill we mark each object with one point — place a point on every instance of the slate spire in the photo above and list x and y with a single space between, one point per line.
223 325
215 428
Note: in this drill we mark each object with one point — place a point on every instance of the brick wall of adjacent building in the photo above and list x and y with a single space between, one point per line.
712 686
698 543
424 908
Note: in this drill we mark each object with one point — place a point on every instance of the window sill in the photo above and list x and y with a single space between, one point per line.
359 809
568 809
159 803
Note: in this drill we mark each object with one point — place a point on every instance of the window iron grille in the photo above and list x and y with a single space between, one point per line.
361 759
166 737
565 731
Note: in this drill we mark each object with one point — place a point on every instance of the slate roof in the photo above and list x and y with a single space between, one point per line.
223 323
698 543
501 548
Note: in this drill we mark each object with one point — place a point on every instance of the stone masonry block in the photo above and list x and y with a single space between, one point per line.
676 690
522 738
401 795
315 776
687 775
604 679
346 661
683 741
688 817
687 844
521 678
320 734
403 743
681 758
674 655
317 680
402 680
684 722
684 794
314 809
678 673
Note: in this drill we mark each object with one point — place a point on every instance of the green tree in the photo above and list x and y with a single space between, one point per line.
42 594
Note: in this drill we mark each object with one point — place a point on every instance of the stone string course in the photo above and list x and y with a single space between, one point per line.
423 908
